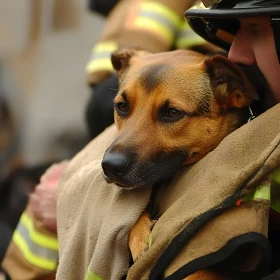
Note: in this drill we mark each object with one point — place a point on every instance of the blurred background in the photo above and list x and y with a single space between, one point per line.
44 49
57 82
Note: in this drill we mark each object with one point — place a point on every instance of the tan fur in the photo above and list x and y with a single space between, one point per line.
184 95
139 236
209 90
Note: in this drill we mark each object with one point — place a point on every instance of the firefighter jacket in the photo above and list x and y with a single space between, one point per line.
33 250
156 26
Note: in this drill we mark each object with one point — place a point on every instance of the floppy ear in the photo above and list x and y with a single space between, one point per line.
122 58
229 83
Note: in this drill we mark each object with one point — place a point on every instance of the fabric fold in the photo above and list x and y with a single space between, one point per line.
200 212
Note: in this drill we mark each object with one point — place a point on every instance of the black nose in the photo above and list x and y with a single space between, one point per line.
115 164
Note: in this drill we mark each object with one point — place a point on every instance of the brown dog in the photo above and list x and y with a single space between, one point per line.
171 110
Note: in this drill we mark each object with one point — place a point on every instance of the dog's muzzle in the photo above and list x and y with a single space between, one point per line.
127 171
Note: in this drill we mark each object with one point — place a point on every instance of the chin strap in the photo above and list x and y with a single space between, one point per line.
275 23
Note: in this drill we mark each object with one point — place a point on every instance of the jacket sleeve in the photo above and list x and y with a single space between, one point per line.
33 251
151 25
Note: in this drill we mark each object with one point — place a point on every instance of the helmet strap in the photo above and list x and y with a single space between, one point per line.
275 23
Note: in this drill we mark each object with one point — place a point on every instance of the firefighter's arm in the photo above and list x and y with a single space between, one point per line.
33 250
152 25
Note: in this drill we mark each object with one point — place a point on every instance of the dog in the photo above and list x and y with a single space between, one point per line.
171 110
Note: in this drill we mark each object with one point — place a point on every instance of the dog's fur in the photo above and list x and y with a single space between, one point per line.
171 110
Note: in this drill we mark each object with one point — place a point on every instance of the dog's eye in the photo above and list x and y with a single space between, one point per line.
171 115
122 108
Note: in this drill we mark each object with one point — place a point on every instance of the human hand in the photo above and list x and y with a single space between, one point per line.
43 199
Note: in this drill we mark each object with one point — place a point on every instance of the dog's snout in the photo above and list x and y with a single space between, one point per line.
115 164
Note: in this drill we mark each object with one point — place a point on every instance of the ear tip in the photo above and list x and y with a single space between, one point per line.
215 60
120 58
219 59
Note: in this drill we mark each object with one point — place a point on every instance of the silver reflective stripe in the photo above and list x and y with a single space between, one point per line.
188 38
188 33
160 19
34 248
100 59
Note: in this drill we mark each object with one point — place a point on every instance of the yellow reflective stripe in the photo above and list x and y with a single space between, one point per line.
261 193
152 25
270 191
107 46
185 27
187 37
100 65
101 57
92 276
162 10
31 257
38 237
188 42
275 191
159 19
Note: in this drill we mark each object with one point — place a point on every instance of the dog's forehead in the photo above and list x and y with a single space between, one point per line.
160 69
153 75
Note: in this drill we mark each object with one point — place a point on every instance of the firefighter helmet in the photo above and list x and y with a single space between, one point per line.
218 22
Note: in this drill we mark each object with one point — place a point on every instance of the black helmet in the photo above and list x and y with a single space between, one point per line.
218 22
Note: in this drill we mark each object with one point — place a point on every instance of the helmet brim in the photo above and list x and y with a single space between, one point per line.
232 13
225 20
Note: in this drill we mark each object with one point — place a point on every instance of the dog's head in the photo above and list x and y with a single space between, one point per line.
171 110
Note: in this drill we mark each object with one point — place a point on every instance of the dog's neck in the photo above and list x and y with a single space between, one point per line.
157 192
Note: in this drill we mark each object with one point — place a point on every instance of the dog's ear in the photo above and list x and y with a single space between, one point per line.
122 58
229 83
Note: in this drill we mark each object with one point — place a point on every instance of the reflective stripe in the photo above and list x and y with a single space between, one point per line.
100 65
261 193
188 38
38 249
92 276
101 57
270 191
152 25
158 18
105 46
31 257
163 10
275 191
36 236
